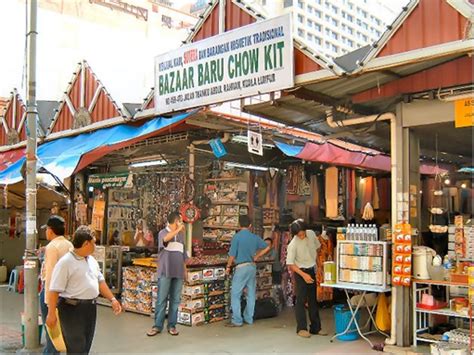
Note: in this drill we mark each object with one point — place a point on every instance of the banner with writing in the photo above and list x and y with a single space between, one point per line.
247 61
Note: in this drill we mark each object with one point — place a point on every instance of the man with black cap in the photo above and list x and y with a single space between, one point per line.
55 250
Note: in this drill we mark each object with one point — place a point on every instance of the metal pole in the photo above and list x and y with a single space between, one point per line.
30 258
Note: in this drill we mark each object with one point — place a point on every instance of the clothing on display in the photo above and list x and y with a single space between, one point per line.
331 192
325 253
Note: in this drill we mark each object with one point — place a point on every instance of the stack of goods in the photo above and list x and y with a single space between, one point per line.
206 260
469 242
459 242
452 241
270 216
402 250
204 297
361 263
287 275
229 200
264 280
137 289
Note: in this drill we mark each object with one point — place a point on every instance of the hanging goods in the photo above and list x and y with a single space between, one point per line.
189 213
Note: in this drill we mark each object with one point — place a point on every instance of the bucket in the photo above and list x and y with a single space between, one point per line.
342 317
329 272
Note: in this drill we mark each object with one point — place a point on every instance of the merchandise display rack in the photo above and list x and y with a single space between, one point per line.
229 198
363 263
422 317
109 259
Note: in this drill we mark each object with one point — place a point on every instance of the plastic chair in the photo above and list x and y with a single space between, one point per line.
13 281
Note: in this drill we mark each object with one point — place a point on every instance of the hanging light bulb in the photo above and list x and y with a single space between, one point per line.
463 185
447 181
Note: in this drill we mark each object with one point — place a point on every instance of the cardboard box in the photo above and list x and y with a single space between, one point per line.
219 273
191 306
193 291
190 319
194 276
208 274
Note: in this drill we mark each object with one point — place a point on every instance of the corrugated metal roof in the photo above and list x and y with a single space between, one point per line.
421 24
453 73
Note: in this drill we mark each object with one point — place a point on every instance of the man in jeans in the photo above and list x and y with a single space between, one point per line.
301 259
171 272
58 246
245 249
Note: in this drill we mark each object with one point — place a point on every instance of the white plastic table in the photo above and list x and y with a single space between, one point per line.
361 303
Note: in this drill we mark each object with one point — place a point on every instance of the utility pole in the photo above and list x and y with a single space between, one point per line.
30 259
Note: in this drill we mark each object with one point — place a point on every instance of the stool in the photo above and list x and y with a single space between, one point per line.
13 281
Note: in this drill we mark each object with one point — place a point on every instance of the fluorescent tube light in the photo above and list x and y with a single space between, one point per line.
246 166
148 163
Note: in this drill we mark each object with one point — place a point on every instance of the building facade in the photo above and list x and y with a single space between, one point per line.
334 27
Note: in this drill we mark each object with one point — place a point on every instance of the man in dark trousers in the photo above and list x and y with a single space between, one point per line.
75 286
245 249
301 259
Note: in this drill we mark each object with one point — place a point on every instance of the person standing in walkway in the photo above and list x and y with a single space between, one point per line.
171 273
75 285
301 259
245 249
57 247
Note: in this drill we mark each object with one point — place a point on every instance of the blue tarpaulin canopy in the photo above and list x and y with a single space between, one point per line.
61 156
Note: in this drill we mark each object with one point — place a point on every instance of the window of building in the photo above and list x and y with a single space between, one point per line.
309 23
365 38
317 40
328 45
300 32
318 13
334 35
317 2
309 36
334 22
343 13
351 5
326 3
300 18
377 21
317 27
334 9
287 3
310 9
378 33
328 32
359 22
365 25
350 43
334 48
328 18
300 4
364 14
350 18
350 30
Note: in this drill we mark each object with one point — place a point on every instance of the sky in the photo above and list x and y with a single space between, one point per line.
122 56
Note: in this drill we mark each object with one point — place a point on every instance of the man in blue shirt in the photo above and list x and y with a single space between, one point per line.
245 249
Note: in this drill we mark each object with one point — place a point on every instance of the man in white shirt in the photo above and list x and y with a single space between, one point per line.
75 286
58 246
301 259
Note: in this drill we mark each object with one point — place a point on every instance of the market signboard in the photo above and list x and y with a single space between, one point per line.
464 113
247 61
105 181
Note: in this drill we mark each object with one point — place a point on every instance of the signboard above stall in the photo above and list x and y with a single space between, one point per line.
247 61
105 181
